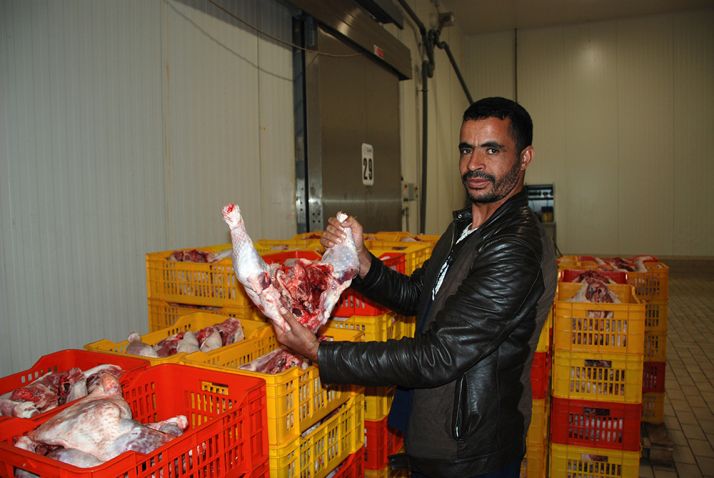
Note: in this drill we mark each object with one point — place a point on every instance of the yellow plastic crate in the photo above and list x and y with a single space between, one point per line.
533 464
416 253
211 284
656 316
544 337
392 236
377 402
270 246
296 398
653 408
164 314
308 236
252 329
656 346
538 430
319 451
602 377
581 462
599 327
375 328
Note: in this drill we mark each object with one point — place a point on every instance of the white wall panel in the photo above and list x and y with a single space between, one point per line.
622 116
81 171
645 140
124 127
692 172
489 64
445 108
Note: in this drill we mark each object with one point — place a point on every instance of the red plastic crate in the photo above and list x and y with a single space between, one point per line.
380 442
353 303
540 375
653 377
595 424
352 467
62 361
227 434
282 257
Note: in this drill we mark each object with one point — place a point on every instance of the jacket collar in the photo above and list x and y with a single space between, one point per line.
463 216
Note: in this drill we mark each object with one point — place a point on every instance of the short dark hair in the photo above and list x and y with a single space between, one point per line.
502 108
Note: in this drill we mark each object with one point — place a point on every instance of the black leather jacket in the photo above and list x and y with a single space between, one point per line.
471 365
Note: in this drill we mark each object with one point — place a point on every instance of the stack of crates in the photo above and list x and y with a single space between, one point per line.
652 288
312 428
534 463
597 384
176 288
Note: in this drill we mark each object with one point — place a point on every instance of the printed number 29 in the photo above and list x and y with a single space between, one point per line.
368 169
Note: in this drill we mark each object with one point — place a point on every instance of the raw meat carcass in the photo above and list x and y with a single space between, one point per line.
98 428
195 255
307 289
274 362
208 338
51 390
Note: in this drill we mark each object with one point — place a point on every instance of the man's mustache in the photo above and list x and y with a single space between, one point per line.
479 175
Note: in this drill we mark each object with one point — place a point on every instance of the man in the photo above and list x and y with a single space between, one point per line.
480 301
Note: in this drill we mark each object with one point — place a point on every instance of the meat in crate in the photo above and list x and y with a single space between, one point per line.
55 380
225 417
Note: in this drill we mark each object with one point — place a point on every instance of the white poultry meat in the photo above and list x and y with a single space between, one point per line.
307 289
97 428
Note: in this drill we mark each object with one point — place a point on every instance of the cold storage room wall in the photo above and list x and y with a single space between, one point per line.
124 127
447 103
623 114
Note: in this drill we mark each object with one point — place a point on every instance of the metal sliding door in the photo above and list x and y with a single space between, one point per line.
353 148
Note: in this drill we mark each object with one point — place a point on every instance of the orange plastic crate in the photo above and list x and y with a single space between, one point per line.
656 316
227 433
252 329
653 377
652 285
598 327
569 275
598 377
656 346
61 362
164 314
296 397
380 442
596 424
653 408
321 449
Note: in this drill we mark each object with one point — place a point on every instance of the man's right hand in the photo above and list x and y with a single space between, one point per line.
334 234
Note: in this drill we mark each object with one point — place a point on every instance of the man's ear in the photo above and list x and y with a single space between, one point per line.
526 157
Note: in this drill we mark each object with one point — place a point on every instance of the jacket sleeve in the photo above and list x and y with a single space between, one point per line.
473 323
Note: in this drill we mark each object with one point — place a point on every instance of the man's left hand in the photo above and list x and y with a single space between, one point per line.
298 339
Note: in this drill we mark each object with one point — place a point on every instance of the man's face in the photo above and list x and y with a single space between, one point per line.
489 164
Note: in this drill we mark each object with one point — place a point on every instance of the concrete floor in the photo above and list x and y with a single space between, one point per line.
689 399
